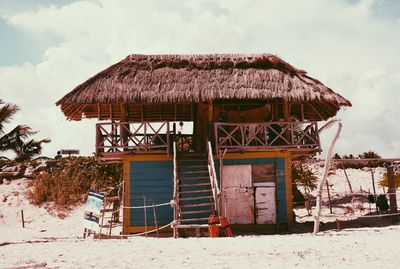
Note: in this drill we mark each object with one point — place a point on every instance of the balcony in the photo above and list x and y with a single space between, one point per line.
113 140
298 137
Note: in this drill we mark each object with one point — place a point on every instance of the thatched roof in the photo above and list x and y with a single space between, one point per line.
197 78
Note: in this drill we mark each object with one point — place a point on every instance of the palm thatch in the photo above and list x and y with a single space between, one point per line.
188 79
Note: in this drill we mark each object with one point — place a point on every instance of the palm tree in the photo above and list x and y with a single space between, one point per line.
15 140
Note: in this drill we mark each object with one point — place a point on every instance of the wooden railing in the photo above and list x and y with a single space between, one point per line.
117 137
175 201
213 179
267 135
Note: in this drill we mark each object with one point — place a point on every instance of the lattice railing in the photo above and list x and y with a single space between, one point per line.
261 136
126 136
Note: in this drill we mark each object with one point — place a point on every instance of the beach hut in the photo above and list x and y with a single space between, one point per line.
207 132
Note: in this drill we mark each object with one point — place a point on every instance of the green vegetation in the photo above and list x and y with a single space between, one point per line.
66 181
365 155
304 177
17 139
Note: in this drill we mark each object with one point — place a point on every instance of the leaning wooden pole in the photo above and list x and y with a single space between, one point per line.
321 183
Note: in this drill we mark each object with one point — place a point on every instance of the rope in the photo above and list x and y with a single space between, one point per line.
148 206
380 215
148 232
138 207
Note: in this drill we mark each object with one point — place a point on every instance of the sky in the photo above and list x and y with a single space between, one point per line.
49 47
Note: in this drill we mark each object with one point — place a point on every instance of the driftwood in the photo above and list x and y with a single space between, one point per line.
321 183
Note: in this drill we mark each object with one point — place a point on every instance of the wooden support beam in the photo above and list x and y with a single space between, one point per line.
175 111
98 111
275 110
302 111
210 111
141 112
392 193
316 111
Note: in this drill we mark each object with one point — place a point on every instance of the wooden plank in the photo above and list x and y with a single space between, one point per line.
263 173
265 211
236 176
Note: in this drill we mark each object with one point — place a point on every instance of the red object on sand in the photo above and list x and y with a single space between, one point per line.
213 229
226 226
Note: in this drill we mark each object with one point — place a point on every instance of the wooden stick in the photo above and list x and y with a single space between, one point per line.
22 218
347 178
145 215
392 195
373 187
324 177
155 219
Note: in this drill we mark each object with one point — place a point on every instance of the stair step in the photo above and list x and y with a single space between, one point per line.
184 179
193 178
193 172
204 226
195 159
107 210
194 212
196 205
192 166
192 220
195 198
195 185
195 191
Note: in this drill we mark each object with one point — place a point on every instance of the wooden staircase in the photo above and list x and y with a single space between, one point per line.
194 197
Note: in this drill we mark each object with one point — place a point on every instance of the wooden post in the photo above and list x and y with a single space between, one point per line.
200 135
347 178
392 193
155 219
22 219
145 215
124 128
288 134
373 188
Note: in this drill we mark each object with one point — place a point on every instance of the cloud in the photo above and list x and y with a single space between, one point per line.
342 43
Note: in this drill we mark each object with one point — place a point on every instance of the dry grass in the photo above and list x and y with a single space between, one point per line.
198 78
66 182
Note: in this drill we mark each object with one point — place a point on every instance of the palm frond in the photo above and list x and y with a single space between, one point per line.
7 112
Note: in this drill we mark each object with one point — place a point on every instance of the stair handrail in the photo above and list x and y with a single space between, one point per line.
175 197
213 178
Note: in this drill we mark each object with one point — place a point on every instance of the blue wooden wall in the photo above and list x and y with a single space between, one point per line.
154 180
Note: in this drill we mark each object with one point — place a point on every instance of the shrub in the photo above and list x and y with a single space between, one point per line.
305 178
384 180
369 155
360 164
66 181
